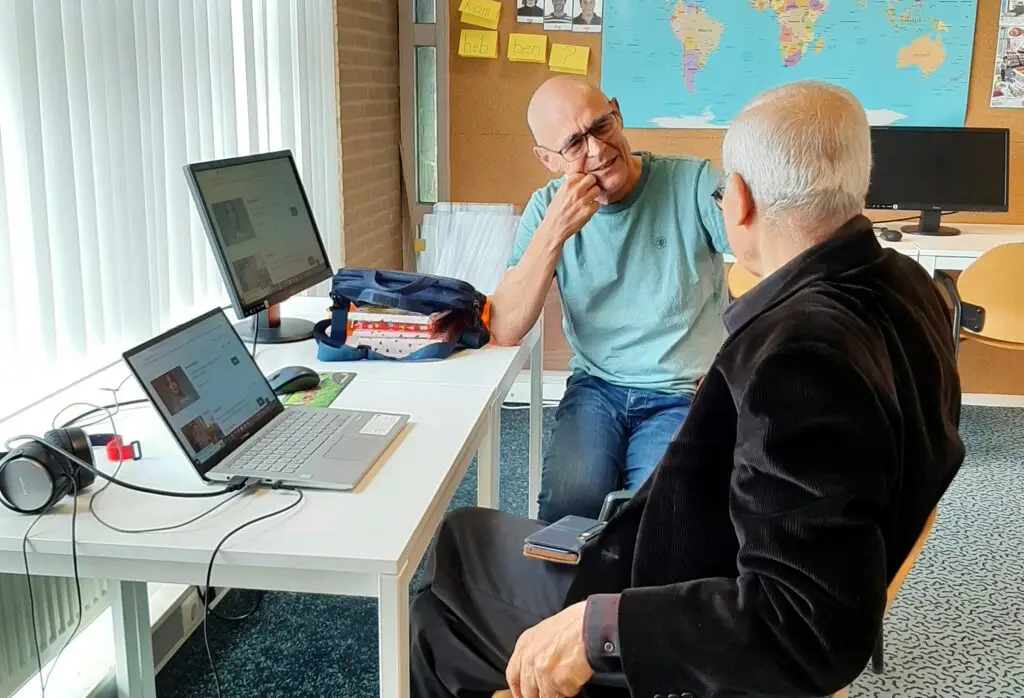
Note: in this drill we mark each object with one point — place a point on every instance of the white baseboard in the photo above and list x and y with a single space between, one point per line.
554 388
993 400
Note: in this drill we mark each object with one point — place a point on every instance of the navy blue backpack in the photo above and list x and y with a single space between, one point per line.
417 293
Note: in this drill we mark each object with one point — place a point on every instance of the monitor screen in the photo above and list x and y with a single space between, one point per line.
957 169
206 387
260 227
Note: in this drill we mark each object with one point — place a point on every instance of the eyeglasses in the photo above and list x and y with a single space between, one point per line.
602 129
718 194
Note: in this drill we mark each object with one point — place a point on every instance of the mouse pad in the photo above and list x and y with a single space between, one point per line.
331 385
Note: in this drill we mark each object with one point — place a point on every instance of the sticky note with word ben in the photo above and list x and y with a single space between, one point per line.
481 13
478 43
566 58
528 48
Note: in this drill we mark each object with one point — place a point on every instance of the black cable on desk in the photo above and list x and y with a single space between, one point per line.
209 571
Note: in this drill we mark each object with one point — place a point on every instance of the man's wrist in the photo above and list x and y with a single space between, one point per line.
601 633
550 240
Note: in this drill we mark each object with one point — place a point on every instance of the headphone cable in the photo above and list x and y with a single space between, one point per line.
209 570
127 485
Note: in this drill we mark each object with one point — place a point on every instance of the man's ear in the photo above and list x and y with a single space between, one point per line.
740 201
547 158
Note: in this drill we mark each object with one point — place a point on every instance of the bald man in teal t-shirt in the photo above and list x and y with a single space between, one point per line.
635 243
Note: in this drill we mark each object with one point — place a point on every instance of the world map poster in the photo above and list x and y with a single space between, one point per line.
696 63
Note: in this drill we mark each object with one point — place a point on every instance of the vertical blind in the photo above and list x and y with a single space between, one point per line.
102 103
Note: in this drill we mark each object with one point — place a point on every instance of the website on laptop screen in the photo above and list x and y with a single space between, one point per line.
206 385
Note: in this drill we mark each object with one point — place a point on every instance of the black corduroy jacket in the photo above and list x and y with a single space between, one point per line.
755 560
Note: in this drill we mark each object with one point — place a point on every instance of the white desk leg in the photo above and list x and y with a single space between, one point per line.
393 626
488 459
536 418
928 262
133 642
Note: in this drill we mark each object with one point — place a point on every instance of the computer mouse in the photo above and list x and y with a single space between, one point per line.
293 379
890 235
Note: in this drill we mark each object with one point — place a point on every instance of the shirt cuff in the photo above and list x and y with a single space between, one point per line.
601 633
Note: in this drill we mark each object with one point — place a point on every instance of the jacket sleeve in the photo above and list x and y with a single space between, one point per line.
814 460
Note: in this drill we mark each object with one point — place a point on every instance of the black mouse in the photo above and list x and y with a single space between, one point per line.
293 379
890 235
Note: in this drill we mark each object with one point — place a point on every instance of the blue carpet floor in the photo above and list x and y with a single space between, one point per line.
955 629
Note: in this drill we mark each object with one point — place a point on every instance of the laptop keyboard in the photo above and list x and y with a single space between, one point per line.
288 445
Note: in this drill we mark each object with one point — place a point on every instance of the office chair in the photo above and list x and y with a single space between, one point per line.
616 499
986 299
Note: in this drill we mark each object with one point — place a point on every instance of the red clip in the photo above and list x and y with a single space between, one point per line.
117 451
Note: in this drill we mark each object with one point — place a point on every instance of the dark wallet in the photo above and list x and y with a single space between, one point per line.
563 540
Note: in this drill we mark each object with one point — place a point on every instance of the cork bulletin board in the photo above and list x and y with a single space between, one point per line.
490 144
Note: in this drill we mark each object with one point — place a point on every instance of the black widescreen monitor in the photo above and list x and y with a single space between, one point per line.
933 170
264 237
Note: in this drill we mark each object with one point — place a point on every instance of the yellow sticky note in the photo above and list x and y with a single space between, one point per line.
566 58
419 245
478 43
475 21
485 10
528 48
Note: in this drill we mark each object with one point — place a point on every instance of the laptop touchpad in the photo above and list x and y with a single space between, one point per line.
347 448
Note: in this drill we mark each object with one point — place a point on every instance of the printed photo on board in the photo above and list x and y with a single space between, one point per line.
530 11
586 15
558 15
1013 11
1008 80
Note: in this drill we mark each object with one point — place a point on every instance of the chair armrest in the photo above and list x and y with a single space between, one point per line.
947 283
612 502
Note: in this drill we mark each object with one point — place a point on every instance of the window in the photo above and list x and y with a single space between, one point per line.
101 104
426 123
424 44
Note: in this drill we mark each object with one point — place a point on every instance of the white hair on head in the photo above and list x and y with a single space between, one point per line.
804 149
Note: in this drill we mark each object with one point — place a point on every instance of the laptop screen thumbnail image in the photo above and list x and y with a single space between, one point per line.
206 387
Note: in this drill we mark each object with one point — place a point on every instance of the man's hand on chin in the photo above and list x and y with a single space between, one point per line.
550 659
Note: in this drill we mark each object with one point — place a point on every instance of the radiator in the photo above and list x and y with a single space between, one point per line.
56 605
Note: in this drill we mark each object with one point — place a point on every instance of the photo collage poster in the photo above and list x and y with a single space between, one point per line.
562 15
1008 79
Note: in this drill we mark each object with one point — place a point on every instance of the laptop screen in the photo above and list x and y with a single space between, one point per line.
206 386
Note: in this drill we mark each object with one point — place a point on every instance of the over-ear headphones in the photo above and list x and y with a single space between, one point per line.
33 478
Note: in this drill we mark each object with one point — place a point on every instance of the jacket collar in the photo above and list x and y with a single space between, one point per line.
850 247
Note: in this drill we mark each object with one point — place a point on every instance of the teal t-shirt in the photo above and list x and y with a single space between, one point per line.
642 284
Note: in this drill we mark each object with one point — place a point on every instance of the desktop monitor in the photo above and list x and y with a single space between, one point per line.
264 238
932 170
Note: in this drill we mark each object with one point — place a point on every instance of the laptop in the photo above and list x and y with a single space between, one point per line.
227 420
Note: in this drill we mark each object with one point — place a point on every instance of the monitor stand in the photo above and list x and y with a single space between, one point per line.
271 328
928 224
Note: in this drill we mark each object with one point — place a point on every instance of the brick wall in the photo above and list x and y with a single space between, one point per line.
368 88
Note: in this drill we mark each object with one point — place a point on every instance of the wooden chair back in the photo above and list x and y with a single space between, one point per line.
994 282
740 280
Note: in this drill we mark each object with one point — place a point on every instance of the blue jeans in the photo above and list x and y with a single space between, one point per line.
605 438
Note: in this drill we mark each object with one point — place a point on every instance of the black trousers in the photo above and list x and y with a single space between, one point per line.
478 594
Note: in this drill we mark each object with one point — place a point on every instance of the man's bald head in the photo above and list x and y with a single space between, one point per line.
561 100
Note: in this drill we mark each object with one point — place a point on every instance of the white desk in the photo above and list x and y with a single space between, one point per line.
956 253
493 367
365 543
953 253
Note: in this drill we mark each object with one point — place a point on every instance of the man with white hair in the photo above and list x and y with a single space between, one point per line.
755 560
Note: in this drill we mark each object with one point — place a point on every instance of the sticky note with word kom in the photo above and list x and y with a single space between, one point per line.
481 13
528 48
478 43
566 58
